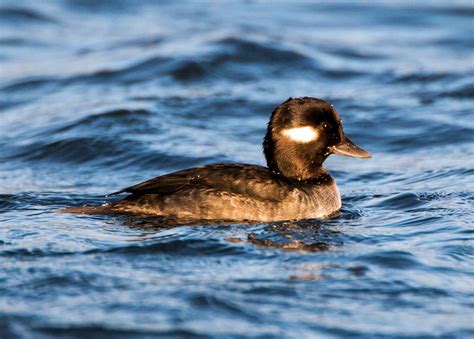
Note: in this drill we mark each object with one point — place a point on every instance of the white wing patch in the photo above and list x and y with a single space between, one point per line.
301 134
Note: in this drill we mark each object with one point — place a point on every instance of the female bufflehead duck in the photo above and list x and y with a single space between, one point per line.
301 134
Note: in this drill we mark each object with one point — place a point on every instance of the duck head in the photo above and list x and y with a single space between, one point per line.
301 134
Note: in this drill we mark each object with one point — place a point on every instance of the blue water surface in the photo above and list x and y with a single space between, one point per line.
99 95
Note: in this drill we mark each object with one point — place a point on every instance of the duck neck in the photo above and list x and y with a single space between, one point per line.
301 172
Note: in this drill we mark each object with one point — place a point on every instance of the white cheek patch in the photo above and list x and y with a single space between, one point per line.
301 134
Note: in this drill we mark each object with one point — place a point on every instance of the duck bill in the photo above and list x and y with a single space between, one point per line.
347 148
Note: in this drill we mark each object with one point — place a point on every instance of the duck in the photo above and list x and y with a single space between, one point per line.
301 134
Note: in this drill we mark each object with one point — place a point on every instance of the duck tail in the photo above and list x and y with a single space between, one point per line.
106 209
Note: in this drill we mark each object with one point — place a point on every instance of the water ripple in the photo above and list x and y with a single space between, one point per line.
98 95
23 16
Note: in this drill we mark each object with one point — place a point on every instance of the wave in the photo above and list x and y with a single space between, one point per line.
420 77
76 149
104 151
105 121
230 59
391 259
29 83
23 15
96 331
465 91
180 245
99 95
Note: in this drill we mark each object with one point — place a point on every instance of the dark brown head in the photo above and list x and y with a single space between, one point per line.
301 134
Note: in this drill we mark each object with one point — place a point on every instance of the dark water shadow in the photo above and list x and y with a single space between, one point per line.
311 235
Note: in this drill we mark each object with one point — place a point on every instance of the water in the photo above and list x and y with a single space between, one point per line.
97 96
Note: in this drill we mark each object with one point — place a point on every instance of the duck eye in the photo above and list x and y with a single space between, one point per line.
326 125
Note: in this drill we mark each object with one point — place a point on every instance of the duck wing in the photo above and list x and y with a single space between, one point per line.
250 180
